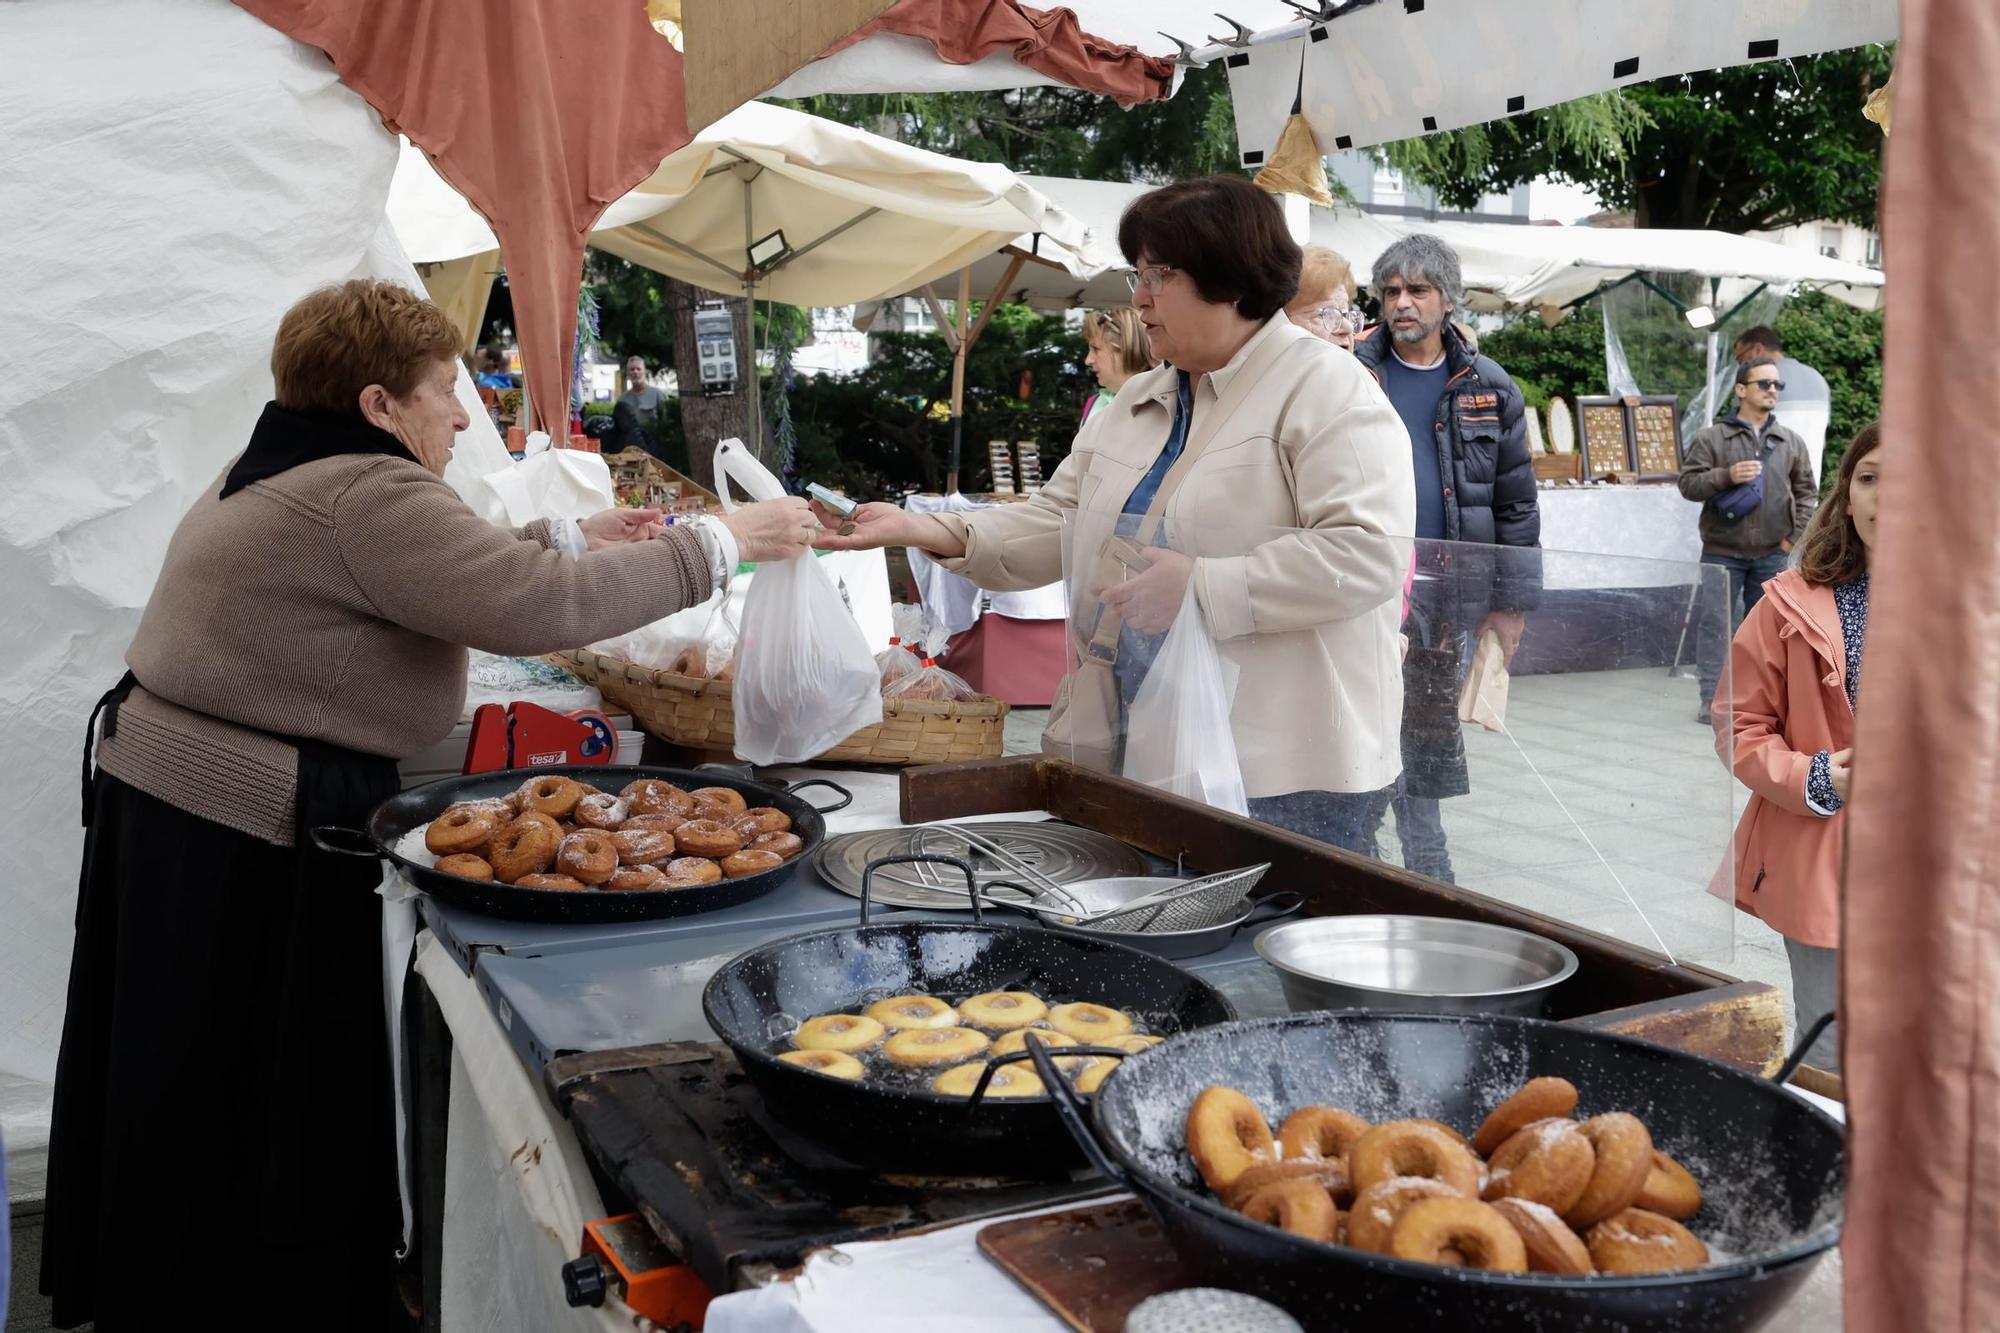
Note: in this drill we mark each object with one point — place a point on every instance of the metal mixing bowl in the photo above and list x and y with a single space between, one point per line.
1426 964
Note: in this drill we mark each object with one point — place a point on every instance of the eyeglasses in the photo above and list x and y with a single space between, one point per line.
1767 385
1152 278
1334 319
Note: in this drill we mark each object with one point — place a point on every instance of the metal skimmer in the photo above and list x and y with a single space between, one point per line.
1142 905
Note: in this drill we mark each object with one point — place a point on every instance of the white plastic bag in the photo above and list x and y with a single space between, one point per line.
1177 735
557 483
805 679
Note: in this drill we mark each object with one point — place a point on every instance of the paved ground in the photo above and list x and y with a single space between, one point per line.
1604 805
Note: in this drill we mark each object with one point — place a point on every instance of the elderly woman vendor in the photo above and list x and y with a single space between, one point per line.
223 1130
1283 477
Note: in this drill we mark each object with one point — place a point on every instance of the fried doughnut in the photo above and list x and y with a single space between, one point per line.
762 819
1134 1042
846 1033
913 1011
1003 1010
1015 1080
553 796
918 1048
549 882
588 855
786 845
1552 1247
1091 1076
1624 1159
1549 1162
1089 1022
740 865
651 796
1636 1241
1669 1191
1298 1206
652 824
687 872
1481 1237
831 1063
1226 1136
728 798
459 831
1009 1042
500 807
1407 1148
524 847
601 812
1537 1099
628 879
707 837
1446 1130
553 825
464 866
1376 1208
643 847
1320 1131
1329 1173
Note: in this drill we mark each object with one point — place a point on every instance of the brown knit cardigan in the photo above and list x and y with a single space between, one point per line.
335 602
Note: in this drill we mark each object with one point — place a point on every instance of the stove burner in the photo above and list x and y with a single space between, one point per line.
1061 852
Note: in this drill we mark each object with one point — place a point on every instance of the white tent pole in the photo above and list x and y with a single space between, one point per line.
756 440
1708 385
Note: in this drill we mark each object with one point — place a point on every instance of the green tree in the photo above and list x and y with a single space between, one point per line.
1845 345
1752 148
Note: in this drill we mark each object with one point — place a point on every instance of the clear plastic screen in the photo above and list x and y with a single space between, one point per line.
1587 791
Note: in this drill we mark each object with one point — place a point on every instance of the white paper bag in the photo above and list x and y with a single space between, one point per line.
1177 735
805 676
1484 698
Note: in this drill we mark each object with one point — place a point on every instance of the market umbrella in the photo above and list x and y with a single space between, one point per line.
774 203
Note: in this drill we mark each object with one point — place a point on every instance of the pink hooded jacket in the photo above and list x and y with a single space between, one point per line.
1789 670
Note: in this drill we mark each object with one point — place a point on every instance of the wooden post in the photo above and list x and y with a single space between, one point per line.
959 348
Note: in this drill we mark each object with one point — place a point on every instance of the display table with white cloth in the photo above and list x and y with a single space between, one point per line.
1635 523
505 1173
1005 644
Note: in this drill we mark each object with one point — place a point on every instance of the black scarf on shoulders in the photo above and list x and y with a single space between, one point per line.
284 439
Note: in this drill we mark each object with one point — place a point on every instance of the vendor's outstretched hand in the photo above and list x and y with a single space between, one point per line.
615 527
1150 600
772 529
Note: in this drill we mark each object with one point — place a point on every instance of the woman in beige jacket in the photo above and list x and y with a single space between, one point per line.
1284 482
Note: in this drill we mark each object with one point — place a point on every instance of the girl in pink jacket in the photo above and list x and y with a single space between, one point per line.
1796 671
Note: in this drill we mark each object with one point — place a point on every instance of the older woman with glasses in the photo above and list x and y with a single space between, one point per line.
1324 305
1259 466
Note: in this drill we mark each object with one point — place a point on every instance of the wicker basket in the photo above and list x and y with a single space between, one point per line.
701 714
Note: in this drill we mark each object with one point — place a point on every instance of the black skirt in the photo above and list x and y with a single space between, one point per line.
223 1143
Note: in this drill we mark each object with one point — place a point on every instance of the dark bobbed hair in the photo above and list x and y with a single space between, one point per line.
1226 234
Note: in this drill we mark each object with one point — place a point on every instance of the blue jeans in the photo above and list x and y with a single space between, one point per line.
1338 817
1419 827
1746 589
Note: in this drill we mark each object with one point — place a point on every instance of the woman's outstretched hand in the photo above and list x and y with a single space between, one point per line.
876 525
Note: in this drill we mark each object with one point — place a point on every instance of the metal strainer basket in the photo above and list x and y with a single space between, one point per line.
1156 903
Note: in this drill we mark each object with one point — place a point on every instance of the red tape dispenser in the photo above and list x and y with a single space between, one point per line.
622 1257
525 735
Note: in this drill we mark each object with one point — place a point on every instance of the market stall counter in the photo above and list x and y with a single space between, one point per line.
551 1060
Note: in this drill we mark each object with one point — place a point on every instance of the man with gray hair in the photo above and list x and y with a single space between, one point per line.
1475 489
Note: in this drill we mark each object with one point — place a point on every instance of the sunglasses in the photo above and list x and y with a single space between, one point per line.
1779 385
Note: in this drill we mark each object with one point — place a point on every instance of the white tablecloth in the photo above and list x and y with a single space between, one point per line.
954 600
1626 537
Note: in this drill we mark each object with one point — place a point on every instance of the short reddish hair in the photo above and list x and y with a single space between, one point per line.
1223 232
339 340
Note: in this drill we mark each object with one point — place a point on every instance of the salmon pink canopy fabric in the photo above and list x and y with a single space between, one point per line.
541 112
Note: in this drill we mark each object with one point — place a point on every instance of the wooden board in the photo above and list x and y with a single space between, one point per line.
1090 1266
1703 1011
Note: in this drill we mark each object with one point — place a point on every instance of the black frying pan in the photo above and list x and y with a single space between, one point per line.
754 997
395 817
1770 1166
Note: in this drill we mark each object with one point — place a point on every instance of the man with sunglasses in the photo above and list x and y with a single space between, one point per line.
1754 481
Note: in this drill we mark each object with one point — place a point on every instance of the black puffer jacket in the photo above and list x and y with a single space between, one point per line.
1482 440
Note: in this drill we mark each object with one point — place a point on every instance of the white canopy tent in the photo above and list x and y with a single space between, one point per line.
155 239
1506 265
1366 72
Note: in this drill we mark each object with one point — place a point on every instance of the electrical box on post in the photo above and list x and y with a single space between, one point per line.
715 348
